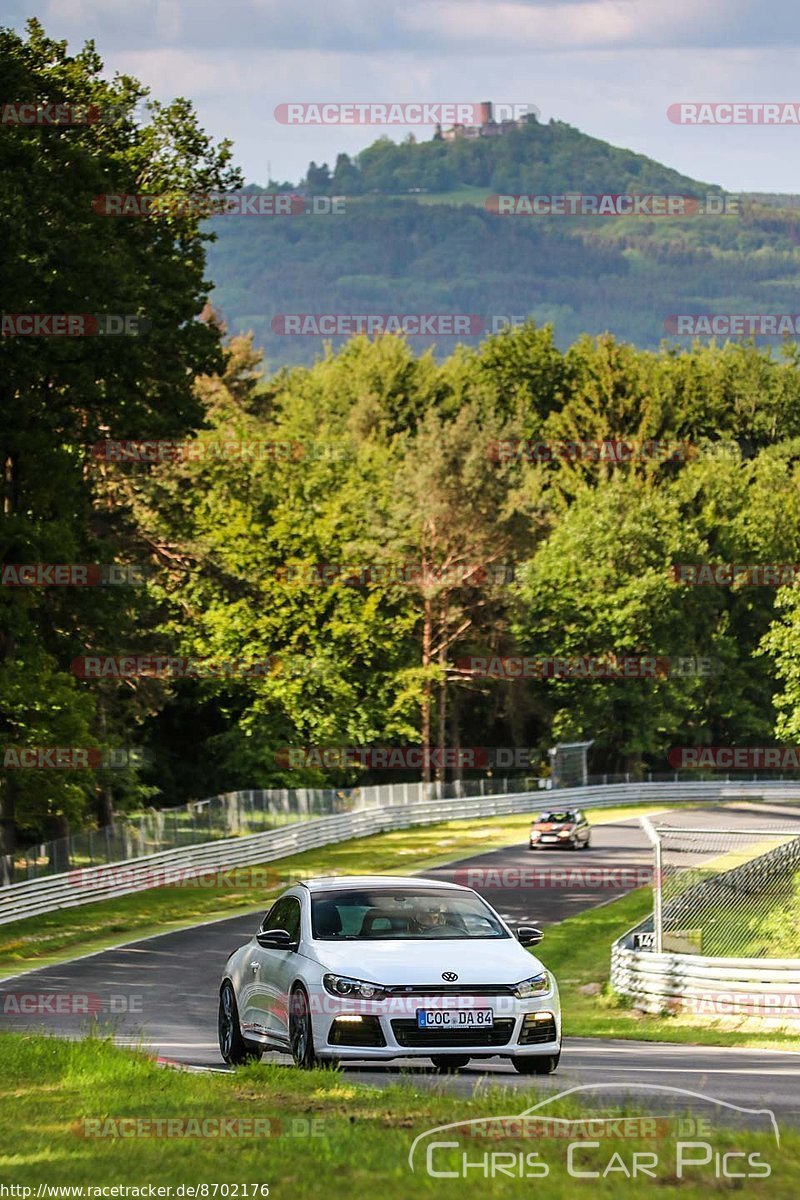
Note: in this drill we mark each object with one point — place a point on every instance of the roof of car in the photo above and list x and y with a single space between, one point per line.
337 883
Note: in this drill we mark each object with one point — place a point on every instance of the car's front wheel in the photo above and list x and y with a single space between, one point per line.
234 1049
539 1064
301 1035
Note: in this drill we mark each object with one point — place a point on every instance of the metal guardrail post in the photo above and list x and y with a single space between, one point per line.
658 911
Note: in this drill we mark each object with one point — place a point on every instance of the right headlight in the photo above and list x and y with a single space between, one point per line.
537 985
343 986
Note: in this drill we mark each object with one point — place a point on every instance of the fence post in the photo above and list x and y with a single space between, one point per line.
654 839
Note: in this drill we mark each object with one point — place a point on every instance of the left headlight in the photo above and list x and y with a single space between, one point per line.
360 989
537 985
568 832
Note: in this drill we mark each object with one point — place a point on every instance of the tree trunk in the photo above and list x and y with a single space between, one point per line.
441 775
58 832
8 786
427 634
104 799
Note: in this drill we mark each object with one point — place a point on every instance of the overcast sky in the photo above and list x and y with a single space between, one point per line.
609 67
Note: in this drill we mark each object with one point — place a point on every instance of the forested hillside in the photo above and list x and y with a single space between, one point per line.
420 234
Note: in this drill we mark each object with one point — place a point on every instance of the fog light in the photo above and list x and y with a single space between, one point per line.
351 1020
538 1027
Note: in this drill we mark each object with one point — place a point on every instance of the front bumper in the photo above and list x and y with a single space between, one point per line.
388 1028
538 844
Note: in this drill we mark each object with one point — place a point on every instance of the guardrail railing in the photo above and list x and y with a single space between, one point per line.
86 884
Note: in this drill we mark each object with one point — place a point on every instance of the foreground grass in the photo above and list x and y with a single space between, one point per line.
323 1135
57 936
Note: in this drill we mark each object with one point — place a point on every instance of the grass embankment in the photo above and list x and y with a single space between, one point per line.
321 1134
57 936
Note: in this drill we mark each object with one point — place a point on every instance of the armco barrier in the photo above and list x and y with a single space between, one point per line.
74 888
767 988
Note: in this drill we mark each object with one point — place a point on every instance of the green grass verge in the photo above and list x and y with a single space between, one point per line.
326 1135
55 937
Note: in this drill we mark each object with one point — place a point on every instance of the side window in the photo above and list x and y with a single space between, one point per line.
292 919
285 915
268 922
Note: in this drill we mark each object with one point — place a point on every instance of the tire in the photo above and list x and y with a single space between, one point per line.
301 1034
587 845
447 1064
542 1064
234 1049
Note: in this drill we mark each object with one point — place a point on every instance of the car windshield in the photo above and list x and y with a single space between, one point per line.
555 818
383 913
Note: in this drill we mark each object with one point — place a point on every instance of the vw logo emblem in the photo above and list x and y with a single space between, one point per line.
449 976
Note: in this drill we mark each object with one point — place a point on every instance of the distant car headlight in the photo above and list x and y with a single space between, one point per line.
566 832
535 835
537 985
359 989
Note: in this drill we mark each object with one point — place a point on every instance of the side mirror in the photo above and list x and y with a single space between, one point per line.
529 935
275 939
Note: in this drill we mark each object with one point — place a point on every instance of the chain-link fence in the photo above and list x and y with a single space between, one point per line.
727 892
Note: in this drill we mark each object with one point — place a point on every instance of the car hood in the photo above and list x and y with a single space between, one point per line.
421 961
551 826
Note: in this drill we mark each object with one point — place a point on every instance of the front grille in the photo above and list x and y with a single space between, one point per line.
538 1031
451 989
409 1034
366 1032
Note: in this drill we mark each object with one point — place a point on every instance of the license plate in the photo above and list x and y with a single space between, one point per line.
549 837
455 1018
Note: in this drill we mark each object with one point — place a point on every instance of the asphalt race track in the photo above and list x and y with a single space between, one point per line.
161 993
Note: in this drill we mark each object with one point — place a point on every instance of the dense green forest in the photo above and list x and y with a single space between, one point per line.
376 460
